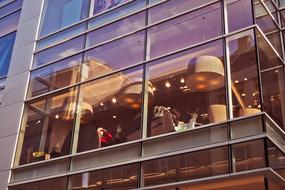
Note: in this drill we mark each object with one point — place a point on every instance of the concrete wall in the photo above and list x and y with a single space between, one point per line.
16 85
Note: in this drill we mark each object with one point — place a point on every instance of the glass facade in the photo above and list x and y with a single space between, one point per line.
160 91
163 76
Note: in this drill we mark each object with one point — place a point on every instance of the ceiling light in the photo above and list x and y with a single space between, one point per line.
167 85
114 100
182 80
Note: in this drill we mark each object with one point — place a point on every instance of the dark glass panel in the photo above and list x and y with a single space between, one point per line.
56 184
239 14
275 40
276 158
59 14
47 127
114 55
55 76
282 18
244 74
6 48
189 90
248 155
268 58
117 178
111 110
185 30
245 183
273 83
193 165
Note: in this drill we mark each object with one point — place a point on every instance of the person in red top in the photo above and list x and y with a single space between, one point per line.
105 137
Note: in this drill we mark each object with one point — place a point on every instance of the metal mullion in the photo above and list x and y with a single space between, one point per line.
144 125
228 78
226 56
77 114
258 70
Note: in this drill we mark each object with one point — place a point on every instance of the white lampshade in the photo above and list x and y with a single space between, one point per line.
131 95
206 73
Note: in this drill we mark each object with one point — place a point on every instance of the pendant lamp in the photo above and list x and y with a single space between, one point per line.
131 95
205 73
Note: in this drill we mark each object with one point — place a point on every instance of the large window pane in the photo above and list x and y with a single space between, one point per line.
248 155
55 76
110 110
172 8
9 23
59 51
186 30
57 183
115 55
273 83
47 127
6 48
117 178
189 90
239 14
116 29
193 165
59 14
245 86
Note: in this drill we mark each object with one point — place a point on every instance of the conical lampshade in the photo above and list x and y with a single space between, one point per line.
206 73
131 95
